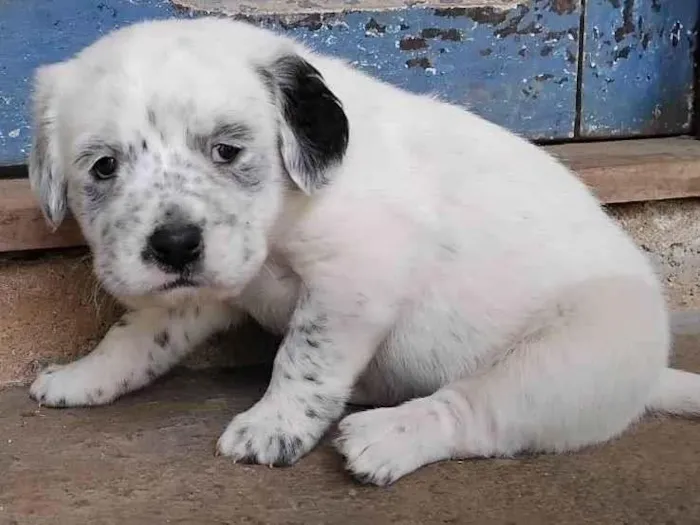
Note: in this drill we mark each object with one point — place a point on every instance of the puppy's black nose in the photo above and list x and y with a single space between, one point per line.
176 245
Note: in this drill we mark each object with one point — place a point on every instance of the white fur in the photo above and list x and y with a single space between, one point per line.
132 354
448 265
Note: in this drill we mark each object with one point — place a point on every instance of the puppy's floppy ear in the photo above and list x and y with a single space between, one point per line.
45 172
313 126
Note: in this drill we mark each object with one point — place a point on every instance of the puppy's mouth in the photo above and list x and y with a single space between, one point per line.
180 282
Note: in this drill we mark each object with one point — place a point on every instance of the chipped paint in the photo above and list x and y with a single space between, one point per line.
411 43
474 56
422 62
454 35
645 50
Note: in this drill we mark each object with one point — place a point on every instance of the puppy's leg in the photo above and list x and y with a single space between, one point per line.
143 345
579 382
324 351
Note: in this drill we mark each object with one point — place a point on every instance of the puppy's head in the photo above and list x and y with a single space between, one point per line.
174 145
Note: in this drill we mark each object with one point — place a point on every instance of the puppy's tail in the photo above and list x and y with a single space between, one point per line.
678 393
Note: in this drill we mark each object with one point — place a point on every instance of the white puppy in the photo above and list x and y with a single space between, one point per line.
414 256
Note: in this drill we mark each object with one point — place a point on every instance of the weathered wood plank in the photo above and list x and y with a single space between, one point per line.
515 65
636 170
619 171
22 225
638 67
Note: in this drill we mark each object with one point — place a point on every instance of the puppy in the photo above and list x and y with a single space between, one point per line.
414 256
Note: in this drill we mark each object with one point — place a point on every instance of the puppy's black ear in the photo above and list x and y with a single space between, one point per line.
313 126
45 173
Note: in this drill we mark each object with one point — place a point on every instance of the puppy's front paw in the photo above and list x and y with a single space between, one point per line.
70 386
269 435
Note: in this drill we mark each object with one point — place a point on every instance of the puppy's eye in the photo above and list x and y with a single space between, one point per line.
224 153
104 168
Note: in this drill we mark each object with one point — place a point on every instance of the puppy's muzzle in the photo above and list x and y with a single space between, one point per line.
175 247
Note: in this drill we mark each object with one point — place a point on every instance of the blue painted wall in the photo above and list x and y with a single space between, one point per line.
638 67
517 68
35 32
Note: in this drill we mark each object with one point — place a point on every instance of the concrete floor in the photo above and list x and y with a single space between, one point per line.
149 459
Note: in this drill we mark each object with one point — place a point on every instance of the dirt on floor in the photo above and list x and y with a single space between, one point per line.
149 459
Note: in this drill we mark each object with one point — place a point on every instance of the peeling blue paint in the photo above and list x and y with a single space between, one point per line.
638 67
516 68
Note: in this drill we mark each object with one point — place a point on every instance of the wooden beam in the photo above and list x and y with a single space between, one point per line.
22 225
636 170
617 172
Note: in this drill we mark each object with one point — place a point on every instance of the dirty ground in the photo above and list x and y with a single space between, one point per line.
149 459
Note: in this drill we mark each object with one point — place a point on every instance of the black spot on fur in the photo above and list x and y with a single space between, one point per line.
312 414
289 449
315 116
312 378
99 393
251 456
312 342
122 322
162 339
62 403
